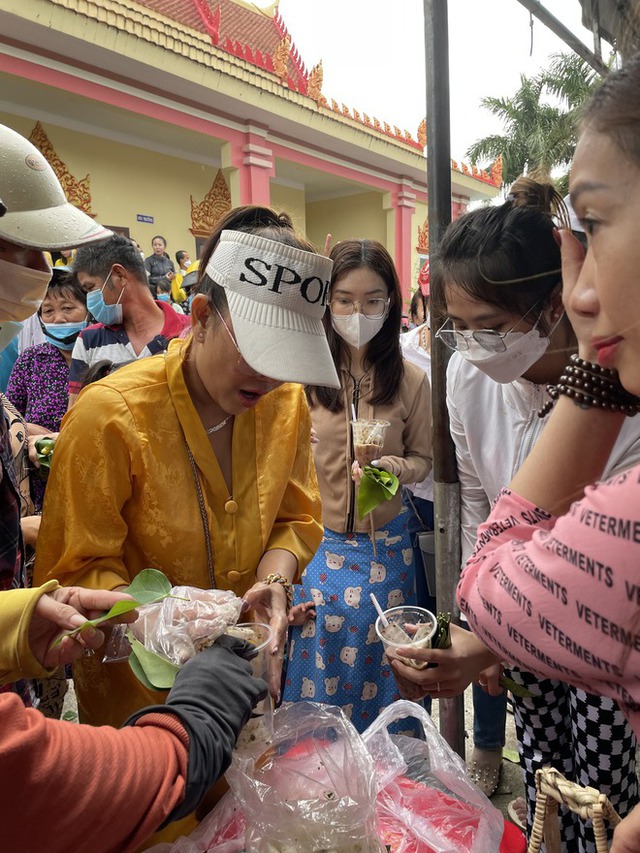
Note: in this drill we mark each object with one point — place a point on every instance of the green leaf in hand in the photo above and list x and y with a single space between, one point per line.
154 671
375 487
148 587
44 450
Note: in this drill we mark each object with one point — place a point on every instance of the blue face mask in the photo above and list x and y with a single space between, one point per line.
108 315
63 335
163 297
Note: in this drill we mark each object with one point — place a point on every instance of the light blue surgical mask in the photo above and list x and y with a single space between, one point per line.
163 297
63 335
108 315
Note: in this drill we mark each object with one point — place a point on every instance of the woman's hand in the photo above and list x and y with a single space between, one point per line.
269 604
626 836
356 473
63 610
30 525
31 441
454 668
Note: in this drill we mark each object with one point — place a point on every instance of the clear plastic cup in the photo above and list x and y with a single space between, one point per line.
368 439
257 733
408 626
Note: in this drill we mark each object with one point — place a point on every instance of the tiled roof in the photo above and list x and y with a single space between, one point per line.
238 27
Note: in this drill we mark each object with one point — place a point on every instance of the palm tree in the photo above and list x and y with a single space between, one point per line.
538 136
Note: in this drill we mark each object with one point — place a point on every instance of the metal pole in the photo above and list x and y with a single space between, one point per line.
446 487
536 8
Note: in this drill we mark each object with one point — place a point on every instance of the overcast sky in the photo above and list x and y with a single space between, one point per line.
373 55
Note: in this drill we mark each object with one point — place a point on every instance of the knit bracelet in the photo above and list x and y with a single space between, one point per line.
590 385
276 577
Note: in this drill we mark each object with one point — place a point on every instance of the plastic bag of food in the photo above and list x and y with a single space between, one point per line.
186 621
426 801
312 790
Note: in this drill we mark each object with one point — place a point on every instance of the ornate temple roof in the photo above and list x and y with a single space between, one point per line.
257 35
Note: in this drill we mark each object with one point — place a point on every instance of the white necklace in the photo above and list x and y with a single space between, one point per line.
215 428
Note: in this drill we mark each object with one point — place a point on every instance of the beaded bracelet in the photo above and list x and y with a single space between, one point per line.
276 577
590 385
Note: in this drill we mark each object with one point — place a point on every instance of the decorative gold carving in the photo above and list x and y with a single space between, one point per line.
367 120
314 85
78 192
496 172
357 115
335 106
423 237
454 166
216 203
281 58
422 133
465 169
346 111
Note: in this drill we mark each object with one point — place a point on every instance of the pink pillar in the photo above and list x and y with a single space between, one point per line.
253 158
459 205
404 204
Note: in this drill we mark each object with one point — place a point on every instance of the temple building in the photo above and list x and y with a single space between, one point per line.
159 115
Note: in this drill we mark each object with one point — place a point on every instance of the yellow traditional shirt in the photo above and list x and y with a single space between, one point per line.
121 497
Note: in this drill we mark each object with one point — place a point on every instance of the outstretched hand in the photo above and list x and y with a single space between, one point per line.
452 671
269 604
67 608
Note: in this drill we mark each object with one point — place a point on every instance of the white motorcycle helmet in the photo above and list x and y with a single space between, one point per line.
36 212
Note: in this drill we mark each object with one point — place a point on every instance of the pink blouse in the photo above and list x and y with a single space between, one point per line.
560 597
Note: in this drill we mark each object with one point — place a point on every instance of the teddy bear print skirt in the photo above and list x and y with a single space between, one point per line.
337 658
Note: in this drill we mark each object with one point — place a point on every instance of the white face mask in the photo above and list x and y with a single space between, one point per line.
523 349
22 290
357 329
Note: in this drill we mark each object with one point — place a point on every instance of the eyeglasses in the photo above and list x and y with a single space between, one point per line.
240 365
489 339
374 309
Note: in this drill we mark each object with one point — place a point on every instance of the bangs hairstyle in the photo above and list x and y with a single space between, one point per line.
251 219
614 109
488 250
65 286
383 352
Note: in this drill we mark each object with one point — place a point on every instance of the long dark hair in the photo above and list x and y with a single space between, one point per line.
507 256
383 354
252 219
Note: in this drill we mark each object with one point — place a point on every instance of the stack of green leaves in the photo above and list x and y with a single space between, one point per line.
376 486
44 450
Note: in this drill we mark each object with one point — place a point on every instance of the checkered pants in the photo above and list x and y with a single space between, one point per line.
586 738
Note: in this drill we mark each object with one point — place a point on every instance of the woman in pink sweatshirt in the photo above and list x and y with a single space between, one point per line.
554 584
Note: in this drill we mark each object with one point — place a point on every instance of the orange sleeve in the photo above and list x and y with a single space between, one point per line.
86 787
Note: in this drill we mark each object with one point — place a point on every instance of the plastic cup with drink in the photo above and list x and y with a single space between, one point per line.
406 627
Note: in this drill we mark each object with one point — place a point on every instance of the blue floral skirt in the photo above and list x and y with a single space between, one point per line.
337 658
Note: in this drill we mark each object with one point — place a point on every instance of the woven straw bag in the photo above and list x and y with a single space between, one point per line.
553 789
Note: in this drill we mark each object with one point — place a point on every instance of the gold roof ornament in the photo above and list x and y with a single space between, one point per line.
423 237
281 58
78 192
422 133
314 86
496 171
215 204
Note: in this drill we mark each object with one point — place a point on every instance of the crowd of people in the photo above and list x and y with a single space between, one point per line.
217 446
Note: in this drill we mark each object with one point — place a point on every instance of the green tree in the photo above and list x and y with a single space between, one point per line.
539 121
